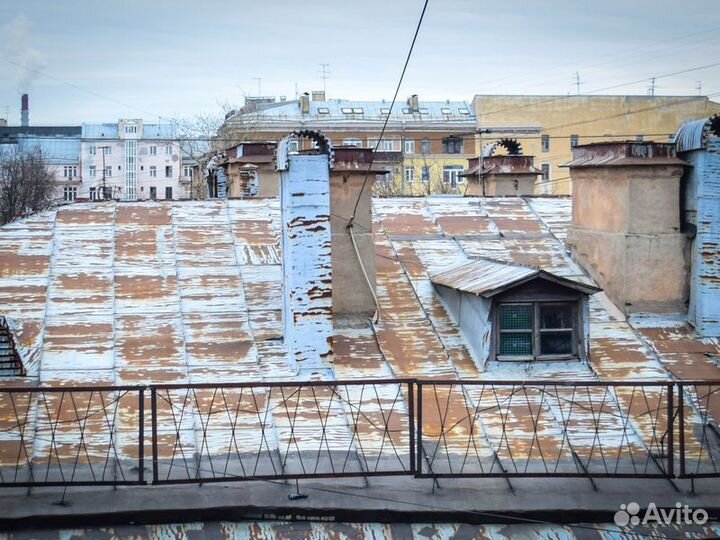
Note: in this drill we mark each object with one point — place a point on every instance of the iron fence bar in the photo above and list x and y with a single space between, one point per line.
141 436
670 431
153 412
418 454
681 414
411 424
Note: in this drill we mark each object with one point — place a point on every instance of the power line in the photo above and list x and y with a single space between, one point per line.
392 104
604 89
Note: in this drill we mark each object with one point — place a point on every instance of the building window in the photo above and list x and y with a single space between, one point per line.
409 146
425 146
452 145
168 192
130 129
93 194
69 193
153 171
352 142
536 329
92 150
574 140
70 171
169 149
446 111
92 171
323 110
425 174
545 143
464 111
451 175
107 150
545 172
108 172
153 192
409 174
153 150
293 146
187 171
640 138
168 171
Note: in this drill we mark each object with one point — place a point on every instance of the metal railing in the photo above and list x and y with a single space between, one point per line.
358 428
72 436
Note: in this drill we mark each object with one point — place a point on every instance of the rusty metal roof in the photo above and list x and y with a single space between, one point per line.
184 292
487 278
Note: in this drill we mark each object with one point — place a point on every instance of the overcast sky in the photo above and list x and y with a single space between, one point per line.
89 61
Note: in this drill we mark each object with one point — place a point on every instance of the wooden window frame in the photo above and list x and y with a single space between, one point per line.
576 330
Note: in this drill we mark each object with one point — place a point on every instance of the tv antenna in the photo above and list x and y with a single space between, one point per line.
325 75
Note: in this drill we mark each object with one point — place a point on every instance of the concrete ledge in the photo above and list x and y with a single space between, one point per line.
383 500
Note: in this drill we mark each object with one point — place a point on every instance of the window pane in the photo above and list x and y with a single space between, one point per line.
516 343
516 317
556 316
556 342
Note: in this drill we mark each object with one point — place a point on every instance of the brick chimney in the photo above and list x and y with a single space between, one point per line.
24 110
626 223
305 103
353 295
509 175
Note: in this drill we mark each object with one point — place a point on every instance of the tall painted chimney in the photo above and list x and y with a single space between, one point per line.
306 254
626 223
24 111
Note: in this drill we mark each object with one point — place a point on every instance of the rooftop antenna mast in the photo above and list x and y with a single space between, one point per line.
698 87
259 81
651 90
577 82
325 75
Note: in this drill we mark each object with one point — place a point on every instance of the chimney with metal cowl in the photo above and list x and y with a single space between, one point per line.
328 266
24 110
626 223
306 254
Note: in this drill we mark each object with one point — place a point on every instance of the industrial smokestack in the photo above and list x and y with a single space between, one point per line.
24 111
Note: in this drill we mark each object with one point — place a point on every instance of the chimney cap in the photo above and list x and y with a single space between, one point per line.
624 154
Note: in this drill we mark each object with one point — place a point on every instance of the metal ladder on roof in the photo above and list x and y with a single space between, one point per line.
10 362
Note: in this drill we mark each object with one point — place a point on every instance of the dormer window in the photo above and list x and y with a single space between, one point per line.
516 313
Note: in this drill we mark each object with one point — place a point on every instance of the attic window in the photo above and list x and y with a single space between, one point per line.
406 111
384 110
346 110
423 111
539 330
463 111
323 110
445 110
357 110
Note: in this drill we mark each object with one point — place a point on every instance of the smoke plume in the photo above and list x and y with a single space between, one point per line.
17 49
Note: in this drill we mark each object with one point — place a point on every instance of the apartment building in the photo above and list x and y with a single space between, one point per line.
132 160
564 122
424 148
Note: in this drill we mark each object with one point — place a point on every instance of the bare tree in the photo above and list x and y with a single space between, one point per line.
26 184
205 135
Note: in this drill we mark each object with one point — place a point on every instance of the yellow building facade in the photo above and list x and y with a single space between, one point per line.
562 122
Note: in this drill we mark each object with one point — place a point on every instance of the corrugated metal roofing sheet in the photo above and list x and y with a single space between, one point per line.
487 278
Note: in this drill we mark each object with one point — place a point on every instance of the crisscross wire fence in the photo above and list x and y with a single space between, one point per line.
71 436
358 428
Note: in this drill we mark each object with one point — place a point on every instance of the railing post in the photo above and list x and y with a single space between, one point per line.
153 415
141 436
681 427
411 423
418 453
671 420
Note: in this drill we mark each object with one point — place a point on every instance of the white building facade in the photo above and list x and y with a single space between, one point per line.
131 161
